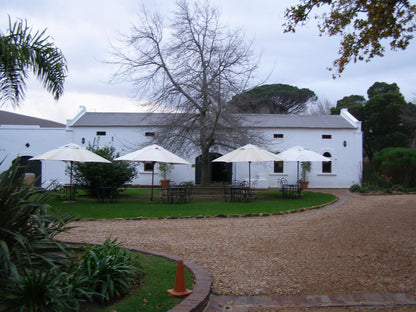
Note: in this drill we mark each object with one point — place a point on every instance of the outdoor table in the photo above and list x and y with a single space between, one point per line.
239 193
179 194
291 190
69 192
107 193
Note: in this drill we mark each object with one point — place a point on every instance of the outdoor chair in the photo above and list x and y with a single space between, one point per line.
239 191
281 182
107 193
164 195
167 194
189 189
183 193
251 194
289 190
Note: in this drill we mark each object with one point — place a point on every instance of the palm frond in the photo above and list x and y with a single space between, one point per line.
21 50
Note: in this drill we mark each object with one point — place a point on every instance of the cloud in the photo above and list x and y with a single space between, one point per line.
83 30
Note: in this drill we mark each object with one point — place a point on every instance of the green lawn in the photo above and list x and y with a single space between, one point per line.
134 203
151 295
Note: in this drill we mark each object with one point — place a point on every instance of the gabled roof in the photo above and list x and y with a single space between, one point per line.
8 118
297 121
105 119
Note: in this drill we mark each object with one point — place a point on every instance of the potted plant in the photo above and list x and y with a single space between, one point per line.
164 170
306 167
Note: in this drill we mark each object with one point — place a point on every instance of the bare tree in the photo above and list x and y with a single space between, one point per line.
191 68
320 107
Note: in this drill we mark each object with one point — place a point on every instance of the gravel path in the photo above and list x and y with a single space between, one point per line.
367 245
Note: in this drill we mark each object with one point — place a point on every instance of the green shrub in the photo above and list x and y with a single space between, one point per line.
35 290
399 188
373 180
109 270
93 175
306 167
355 188
398 164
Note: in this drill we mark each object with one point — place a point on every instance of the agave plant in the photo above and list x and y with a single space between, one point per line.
28 227
109 270
34 290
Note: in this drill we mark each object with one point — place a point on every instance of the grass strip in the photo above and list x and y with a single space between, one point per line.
136 203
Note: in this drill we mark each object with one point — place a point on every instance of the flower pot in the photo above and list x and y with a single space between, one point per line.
304 184
164 183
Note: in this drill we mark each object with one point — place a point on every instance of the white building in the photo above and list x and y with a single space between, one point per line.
24 136
336 136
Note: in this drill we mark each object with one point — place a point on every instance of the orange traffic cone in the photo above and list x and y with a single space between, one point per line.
179 289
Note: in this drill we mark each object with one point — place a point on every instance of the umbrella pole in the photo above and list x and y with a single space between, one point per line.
70 181
153 178
249 174
298 173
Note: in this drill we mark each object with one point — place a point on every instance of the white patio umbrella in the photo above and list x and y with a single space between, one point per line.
300 154
154 154
248 153
73 153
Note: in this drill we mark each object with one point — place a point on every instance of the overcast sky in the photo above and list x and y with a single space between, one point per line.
84 29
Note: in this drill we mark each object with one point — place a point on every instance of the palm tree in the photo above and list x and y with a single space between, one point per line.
20 52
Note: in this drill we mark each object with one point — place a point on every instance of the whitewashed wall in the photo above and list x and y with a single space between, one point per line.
346 160
30 141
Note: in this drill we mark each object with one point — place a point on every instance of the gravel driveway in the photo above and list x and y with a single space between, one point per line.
367 245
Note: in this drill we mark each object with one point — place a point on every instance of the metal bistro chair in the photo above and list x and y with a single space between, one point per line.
244 191
189 189
282 182
107 193
183 193
251 194
168 194
235 191
290 190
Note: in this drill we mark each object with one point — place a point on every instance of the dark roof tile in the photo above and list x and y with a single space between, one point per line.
94 119
8 118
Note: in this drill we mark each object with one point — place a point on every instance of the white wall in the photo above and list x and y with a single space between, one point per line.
13 144
346 160
129 139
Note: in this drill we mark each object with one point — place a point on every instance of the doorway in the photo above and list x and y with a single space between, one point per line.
32 166
219 172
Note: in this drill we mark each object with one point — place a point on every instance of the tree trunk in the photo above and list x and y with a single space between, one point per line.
205 165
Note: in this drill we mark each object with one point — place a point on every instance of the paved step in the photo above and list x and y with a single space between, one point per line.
241 304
